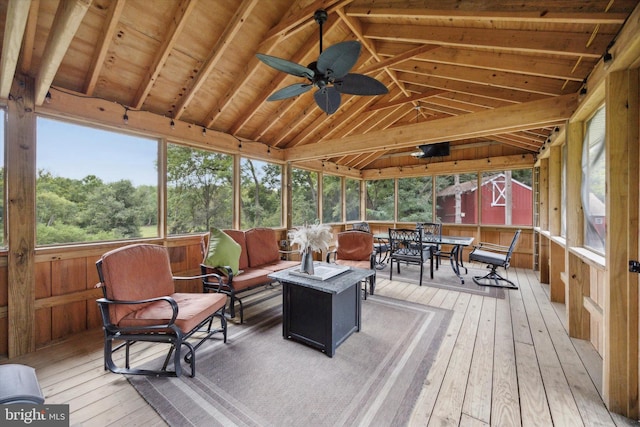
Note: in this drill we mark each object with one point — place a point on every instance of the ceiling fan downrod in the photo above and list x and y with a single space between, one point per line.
320 16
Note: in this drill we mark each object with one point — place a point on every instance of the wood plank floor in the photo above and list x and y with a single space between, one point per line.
503 362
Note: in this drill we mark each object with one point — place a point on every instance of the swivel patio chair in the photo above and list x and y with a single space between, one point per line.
406 246
140 304
494 256
355 249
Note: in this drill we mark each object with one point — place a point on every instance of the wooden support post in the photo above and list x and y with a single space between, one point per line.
620 359
21 185
544 220
556 258
577 317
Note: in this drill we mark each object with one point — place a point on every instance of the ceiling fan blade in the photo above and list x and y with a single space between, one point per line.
359 84
328 99
289 91
337 60
286 66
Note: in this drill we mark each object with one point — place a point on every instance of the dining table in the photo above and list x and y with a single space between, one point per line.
457 243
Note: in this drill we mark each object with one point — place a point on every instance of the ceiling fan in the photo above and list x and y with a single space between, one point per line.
329 74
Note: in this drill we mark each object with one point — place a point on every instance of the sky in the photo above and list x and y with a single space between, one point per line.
73 151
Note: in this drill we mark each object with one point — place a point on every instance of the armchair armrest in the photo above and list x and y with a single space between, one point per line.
104 302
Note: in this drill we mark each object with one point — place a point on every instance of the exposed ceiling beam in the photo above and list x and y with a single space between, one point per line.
106 36
65 24
240 18
540 16
544 42
484 123
15 23
179 20
29 37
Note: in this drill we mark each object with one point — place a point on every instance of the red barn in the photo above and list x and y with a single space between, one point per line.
499 205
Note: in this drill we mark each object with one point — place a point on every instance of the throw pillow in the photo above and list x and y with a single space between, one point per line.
223 251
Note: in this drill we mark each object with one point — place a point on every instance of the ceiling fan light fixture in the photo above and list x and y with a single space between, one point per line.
329 74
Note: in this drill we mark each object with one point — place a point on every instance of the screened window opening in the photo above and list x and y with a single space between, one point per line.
457 199
380 200
261 194
352 199
331 198
304 197
507 197
415 199
199 190
93 184
594 182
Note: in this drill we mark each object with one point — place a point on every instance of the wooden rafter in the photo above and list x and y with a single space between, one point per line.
106 37
15 23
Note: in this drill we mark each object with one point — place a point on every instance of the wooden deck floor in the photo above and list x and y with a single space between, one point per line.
503 362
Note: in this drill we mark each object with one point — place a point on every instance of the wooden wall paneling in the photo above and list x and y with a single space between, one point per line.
68 319
578 320
68 276
620 359
556 268
4 291
4 336
20 163
93 312
43 290
44 333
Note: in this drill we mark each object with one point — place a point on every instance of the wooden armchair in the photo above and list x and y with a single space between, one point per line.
140 304
494 256
355 249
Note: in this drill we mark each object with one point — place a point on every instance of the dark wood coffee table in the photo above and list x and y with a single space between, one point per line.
321 313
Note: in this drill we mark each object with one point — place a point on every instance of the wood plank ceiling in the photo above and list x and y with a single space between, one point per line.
496 78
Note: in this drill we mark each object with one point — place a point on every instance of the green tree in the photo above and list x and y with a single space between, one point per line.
200 190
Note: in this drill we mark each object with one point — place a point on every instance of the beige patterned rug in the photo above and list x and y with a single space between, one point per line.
445 278
260 379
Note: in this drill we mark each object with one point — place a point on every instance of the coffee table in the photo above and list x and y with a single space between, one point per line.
321 313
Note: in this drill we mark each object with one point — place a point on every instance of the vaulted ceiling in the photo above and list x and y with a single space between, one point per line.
496 78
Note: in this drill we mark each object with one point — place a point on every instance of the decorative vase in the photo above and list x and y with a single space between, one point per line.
306 263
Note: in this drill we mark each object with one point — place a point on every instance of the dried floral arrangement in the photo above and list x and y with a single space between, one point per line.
314 238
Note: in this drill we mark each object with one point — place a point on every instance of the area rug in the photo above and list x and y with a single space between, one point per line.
260 379
444 278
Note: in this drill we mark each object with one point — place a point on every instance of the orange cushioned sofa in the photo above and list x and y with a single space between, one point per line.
259 257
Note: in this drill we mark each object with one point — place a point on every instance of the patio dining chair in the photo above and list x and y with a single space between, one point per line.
140 304
406 245
494 256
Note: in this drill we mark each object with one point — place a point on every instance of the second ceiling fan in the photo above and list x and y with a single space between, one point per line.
329 74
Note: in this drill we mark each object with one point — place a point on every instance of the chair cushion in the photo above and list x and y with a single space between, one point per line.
123 269
262 247
192 309
488 257
250 278
357 264
19 384
223 251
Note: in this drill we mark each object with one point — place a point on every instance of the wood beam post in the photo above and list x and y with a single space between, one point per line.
620 359
21 196
543 201
578 317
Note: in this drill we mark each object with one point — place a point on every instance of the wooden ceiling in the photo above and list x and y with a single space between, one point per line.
496 78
